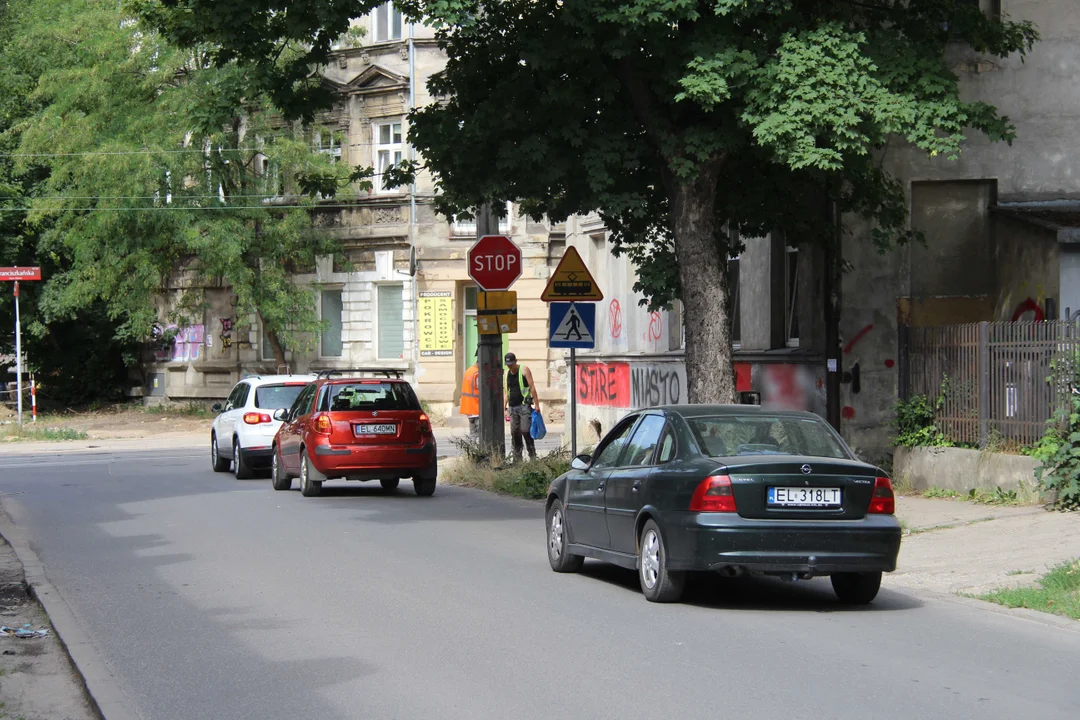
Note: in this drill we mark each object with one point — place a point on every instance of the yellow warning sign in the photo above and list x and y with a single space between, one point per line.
571 281
496 312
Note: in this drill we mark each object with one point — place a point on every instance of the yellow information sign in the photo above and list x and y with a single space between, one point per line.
571 281
496 312
436 323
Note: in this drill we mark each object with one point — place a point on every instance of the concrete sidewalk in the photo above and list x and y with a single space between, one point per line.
957 546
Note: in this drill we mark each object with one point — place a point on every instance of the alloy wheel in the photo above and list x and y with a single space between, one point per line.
555 541
650 558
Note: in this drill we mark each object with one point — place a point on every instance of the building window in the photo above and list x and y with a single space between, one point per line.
733 301
330 340
391 322
467 228
387 20
326 144
266 350
791 297
388 151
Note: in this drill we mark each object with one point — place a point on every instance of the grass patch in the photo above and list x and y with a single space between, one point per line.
1057 592
37 433
528 480
981 496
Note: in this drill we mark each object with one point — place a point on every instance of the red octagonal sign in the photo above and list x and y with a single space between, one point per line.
495 262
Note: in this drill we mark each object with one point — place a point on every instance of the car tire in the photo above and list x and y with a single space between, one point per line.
658 584
390 484
220 464
424 487
561 560
278 477
308 487
240 468
858 588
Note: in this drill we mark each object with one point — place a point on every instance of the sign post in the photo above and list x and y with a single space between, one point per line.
572 293
494 263
17 274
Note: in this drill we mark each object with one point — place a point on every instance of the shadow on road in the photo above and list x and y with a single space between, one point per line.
708 590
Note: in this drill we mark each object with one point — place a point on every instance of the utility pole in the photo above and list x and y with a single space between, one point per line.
490 364
834 369
18 356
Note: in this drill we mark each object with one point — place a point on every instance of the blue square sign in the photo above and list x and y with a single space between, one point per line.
572 325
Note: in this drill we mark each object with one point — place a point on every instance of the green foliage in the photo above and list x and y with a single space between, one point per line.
915 422
679 122
528 480
153 162
1058 453
1058 592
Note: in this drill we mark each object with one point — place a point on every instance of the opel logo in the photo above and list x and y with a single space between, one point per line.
376 414
806 469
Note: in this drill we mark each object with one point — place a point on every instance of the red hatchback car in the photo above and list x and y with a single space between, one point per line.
355 428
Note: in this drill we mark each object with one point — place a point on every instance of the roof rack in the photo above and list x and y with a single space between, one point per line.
385 372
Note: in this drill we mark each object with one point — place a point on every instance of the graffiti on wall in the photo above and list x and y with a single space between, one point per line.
604 384
226 334
659 384
615 319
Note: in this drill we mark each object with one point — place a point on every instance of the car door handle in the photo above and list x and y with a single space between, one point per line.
601 485
637 486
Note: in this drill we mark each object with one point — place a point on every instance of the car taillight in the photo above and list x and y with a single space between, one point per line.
323 424
713 494
425 423
883 501
256 418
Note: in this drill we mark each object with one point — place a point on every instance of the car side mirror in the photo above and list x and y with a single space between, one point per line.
216 407
280 413
581 462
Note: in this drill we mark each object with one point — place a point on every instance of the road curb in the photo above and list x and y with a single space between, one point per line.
1056 621
105 696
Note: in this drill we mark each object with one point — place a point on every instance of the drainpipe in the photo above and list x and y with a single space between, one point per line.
413 263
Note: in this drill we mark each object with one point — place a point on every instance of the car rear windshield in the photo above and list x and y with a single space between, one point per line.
735 435
369 395
275 397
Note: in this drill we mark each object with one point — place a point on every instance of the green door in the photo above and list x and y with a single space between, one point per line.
472 340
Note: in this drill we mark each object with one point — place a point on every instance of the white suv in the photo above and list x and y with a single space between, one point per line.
243 432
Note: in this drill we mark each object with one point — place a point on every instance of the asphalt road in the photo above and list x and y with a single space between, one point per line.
209 597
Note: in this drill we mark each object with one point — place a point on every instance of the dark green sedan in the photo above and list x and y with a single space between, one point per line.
733 489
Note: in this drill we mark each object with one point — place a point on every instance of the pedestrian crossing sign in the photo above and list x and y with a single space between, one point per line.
572 325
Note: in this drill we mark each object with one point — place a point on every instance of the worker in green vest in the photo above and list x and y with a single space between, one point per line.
520 400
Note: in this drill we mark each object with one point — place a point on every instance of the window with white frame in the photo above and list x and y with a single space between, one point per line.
266 350
387 23
391 322
388 150
331 312
325 143
791 296
462 228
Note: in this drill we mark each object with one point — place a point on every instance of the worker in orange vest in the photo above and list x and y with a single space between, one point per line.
470 399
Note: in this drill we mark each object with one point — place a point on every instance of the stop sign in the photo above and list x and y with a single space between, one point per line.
495 262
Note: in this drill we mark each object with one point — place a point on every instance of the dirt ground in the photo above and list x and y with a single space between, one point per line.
124 423
37 680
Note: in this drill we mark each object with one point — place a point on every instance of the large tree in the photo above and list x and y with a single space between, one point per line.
679 121
156 169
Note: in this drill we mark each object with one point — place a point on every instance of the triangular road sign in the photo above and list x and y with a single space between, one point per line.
571 281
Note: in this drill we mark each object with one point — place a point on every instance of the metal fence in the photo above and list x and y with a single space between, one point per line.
987 380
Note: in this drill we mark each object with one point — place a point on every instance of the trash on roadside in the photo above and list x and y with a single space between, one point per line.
23 632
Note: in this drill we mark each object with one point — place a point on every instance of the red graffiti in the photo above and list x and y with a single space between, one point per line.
656 327
604 384
615 319
858 336
743 380
1029 311
889 363
847 412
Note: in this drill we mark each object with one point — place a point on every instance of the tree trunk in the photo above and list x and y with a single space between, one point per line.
703 275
